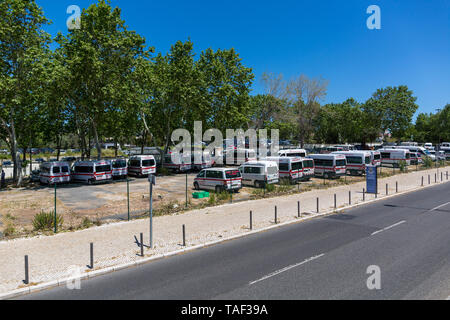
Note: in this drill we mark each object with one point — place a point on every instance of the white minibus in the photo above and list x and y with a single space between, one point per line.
375 157
92 171
356 161
297 153
393 157
259 173
329 165
294 169
239 156
142 165
119 168
218 179
54 172
177 163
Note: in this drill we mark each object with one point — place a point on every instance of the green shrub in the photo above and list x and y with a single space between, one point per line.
427 162
44 221
9 230
270 187
403 166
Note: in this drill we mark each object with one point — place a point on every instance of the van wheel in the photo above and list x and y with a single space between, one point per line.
196 186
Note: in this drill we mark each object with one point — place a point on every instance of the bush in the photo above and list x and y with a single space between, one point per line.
9 230
270 187
403 166
427 162
44 221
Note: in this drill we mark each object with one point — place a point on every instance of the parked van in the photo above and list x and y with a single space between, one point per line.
356 161
92 171
179 164
294 169
119 168
259 173
393 157
206 162
375 157
142 165
415 158
219 179
297 153
240 156
328 150
420 150
54 172
329 165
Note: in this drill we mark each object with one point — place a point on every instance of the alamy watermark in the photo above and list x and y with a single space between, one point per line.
74 21
374 280
374 20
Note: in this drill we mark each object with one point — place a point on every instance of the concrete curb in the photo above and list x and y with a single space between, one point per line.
96 273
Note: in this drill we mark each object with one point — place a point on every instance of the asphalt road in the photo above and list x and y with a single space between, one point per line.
407 237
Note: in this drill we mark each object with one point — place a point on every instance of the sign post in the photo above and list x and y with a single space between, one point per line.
371 179
152 181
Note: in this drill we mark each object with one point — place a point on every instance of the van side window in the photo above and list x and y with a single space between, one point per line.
385 155
201 174
56 169
65 169
82 169
148 163
297 166
254 170
284 167
211 174
45 169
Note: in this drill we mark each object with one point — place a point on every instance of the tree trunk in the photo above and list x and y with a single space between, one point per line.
58 147
97 143
115 148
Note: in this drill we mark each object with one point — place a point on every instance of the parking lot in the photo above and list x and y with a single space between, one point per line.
108 201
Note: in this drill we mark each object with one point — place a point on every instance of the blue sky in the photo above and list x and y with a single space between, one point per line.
326 39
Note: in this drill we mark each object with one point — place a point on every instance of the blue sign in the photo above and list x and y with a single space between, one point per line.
372 179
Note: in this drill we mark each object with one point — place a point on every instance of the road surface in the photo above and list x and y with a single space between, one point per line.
406 237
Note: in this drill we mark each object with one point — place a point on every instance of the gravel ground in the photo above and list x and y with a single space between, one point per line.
51 257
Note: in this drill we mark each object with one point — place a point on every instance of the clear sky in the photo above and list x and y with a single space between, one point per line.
328 39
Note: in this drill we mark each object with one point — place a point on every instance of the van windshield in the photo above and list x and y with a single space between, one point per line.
308 164
135 163
119 164
231 174
340 163
148 163
104 168
297 166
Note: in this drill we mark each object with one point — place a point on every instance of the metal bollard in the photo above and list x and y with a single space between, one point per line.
317 204
335 201
442 176
387 189
276 215
350 198
299 213
364 194
27 278
251 220
429 179
142 244
184 236
435 178
422 181
91 265
396 187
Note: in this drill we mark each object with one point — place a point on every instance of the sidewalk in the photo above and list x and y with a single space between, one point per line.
51 257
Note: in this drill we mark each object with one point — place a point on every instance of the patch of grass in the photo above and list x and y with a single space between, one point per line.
44 221
9 230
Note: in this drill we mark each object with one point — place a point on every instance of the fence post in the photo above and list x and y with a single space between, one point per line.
251 220
142 244
91 265
27 278
184 236
128 197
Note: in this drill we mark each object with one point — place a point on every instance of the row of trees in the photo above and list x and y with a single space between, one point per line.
103 81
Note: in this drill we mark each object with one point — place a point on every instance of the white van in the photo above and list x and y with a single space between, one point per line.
240 156
329 165
119 168
181 164
356 161
259 173
219 179
142 165
420 150
54 172
375 157
297 153
294 169
92 171
393 157
207 161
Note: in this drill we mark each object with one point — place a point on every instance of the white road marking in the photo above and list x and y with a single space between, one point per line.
390 227
286 269
438 207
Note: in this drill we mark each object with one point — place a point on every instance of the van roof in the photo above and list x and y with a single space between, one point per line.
328 155
261 163
92 162
56 163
